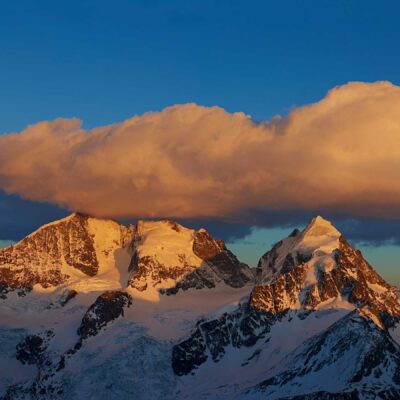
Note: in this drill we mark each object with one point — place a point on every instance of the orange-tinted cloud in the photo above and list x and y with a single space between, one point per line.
341 154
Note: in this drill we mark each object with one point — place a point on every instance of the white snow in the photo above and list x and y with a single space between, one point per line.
167 246
159 239
172 317
320 238
251 365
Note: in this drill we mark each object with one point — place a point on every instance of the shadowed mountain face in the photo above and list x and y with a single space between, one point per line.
91 308
107 307
360 359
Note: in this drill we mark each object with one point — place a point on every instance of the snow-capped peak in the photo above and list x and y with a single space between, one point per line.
166 241
72 249
319 226
315 266
319 239
169 257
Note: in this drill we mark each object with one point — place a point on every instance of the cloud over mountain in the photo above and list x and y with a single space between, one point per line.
340 154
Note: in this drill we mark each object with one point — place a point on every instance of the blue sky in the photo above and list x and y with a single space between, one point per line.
105 61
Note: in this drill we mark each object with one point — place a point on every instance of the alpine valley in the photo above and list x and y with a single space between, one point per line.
92 309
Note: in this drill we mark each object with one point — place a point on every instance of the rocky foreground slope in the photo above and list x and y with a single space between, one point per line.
91 309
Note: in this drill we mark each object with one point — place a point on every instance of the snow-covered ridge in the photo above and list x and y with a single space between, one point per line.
318 240
169 257
163 254
318 265
319 237
168 242
90 254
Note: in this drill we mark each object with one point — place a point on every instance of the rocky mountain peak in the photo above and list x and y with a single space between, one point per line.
316 266
319 238
77 246
318 227
169 257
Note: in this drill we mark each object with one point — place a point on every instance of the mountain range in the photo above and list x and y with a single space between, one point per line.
93 309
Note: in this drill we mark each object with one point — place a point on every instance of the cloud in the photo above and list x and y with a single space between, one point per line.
341 154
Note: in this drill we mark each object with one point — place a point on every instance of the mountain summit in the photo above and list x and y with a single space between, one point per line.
154 257
92 308
169 258
320 238
316 266
317 308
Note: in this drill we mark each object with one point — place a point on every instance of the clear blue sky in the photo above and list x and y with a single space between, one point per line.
104 61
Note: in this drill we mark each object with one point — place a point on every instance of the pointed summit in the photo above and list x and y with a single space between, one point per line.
318 220
319 239
317 266
319 226
68 250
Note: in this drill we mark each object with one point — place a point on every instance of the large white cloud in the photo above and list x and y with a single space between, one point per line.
341 154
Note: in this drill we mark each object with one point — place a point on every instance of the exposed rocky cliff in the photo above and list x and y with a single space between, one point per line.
107 307
59 251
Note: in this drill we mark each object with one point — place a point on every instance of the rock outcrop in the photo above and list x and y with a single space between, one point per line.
107 307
